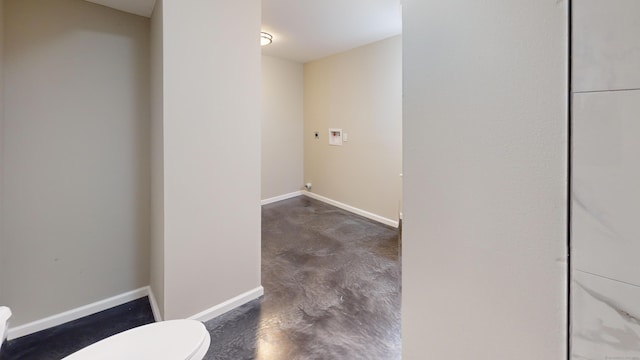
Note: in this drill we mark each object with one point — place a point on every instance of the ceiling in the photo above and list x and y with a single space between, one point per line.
138 7
305 30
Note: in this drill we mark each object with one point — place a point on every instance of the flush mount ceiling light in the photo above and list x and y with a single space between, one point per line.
265 38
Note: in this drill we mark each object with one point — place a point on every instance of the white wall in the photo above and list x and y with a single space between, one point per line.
156 281
282 125
485 179
359 91
605 196
76 147
211 131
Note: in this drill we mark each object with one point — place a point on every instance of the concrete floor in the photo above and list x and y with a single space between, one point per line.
60 341
332 291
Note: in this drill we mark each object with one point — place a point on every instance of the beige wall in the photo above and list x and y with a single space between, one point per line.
282 125
2 248
156 281
76 169
211 131
359 91
485 169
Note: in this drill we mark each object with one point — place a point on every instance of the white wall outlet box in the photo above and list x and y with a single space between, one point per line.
335 137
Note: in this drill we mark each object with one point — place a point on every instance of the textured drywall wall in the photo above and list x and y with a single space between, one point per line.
282 124
156 278
360 92
2 251
211 127
485 180
76 155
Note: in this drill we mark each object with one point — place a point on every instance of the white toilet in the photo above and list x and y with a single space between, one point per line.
170 340
5 314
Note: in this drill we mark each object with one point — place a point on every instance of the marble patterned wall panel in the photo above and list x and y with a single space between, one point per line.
606 319
606 45
606 184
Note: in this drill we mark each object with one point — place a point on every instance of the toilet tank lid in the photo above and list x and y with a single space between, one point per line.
173 339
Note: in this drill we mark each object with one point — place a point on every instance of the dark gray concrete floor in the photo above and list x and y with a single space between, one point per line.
332 289
63 340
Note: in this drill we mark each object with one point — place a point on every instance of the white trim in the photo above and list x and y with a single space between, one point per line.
155 309
352 209
228 305
280 198
77 313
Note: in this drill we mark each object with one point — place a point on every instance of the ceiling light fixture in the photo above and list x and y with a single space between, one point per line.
265 38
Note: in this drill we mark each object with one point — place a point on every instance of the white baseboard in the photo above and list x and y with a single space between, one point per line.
155 309
228 305
77 313
352 209
280 198
96 307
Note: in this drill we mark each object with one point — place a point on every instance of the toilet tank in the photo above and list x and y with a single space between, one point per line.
5 314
